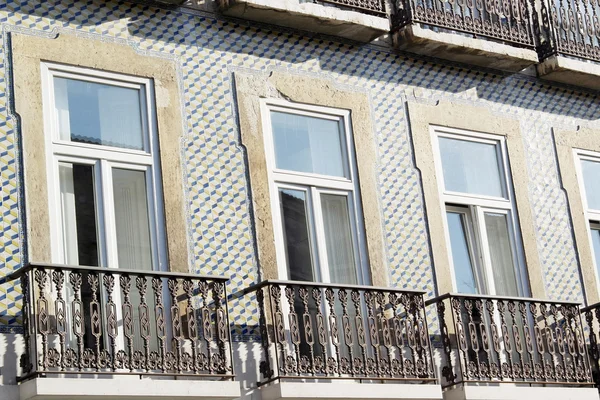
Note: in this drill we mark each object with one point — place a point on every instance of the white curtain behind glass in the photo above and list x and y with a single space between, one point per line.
131 218
338 236
98 114
468 174
119 111
503 267
69 218
69 227
133 237
307 144
61 100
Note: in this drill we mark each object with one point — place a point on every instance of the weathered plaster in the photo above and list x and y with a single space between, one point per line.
28 53
566 142
462 116
301 89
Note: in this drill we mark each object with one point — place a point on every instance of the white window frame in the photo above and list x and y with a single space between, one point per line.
314 185
475 206
103 158
592 216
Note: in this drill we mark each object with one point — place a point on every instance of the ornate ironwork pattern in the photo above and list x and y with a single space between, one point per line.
592 317
507 20
500 339
375 7
353 332
106 321
575 27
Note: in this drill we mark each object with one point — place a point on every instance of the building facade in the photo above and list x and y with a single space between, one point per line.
294 200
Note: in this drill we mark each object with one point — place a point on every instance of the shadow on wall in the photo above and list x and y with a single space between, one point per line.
247 357
88 12
268 46
537 95
11 348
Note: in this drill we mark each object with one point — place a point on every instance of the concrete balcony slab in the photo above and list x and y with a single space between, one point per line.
350 391
572 71
308 16
507 391
464 48
127 388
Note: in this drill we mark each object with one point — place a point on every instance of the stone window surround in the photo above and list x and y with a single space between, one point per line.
250 88
478 119
28 53
566 142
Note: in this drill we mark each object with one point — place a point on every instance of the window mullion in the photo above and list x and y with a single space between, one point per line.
354 219
57 211
106 209
514 238
321 264
155 213
485 266
593 216
103 152
470 200
311 180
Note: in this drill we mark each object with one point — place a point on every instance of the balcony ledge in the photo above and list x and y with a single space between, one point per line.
563 69
507 391
311 17
122 388
350 391
464 49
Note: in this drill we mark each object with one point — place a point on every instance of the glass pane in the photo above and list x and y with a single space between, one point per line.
461 257
591 181
596 245
131 219
338 238
133 240
308 144
503 267
95 113
80 238
471 167
78 208
296 230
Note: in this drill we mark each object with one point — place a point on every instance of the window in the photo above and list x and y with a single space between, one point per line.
314 192
103 175
481 226
588 169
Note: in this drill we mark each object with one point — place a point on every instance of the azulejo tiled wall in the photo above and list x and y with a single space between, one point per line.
208 49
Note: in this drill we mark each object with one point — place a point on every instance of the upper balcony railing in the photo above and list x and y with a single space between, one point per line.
489 339
313 330
570 27
89 320
507 20
374 7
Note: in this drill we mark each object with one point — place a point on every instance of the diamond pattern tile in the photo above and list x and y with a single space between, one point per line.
218 206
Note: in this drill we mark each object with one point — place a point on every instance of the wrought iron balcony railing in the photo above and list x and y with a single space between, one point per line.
313 330
489 339
374 7
507 21
592 317
89 320
570 27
